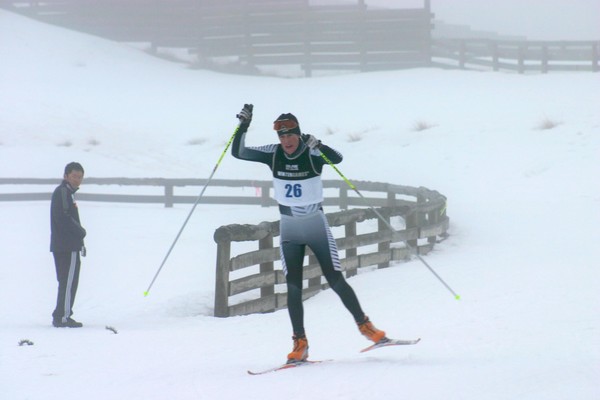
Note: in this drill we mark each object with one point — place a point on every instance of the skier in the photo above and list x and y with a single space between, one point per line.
66 243
296 165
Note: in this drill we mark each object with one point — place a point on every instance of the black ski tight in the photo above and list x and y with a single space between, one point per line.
336 281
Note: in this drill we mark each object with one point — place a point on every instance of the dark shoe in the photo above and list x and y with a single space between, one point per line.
71 323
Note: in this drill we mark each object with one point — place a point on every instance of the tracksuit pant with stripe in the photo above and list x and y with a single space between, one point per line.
67 266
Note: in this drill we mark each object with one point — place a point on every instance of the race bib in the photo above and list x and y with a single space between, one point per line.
298 192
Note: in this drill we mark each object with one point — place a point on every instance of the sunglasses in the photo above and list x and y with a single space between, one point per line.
284 125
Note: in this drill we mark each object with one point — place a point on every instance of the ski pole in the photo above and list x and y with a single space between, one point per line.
328 161
162 264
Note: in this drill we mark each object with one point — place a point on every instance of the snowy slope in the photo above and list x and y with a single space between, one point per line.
522 253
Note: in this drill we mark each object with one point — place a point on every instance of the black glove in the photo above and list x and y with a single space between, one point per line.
246 114
311 141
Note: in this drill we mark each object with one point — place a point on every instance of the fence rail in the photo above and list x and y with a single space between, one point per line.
254 33
168 196
423 210
519 56
343 199
261 285
245 35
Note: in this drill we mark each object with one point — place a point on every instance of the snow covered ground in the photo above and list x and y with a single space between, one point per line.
523 251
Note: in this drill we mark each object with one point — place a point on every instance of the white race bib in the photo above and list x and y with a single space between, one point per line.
298 192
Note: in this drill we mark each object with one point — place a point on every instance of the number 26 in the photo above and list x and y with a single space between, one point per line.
293 190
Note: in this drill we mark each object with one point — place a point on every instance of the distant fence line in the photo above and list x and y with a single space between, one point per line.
423 211
244 35
343 199
168 197
254 32
519 56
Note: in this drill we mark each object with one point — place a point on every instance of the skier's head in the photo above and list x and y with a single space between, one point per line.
288 131
286 124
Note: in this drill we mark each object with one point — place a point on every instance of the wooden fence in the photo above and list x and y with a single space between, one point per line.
520 56
168 196
424 214
261 287
253 33
319 38
244 35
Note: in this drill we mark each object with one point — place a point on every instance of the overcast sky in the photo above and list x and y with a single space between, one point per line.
534 19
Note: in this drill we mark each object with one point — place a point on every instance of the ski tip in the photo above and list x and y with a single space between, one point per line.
457 297
146 293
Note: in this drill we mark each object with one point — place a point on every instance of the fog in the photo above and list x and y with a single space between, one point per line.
533 19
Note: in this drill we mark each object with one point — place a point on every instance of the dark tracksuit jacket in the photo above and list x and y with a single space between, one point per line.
298 190
66 241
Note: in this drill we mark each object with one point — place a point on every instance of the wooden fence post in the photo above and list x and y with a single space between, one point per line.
462 56
383 247
350 231
264 196
521 61
432 219
168 196
495 57
391 198
411 222
222 279
343 198
421 216
266 243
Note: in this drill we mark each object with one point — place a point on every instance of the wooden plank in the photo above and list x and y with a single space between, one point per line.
255 281
435 229
364 239
25 196
400 254
260 305
399 13
368 47
564 68
356 60
374 259
281 50
254 257
278 60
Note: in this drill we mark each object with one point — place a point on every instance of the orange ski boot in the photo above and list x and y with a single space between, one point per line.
370 332
300 352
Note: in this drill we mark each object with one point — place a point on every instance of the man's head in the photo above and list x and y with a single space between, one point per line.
286 124
74 174
288 130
